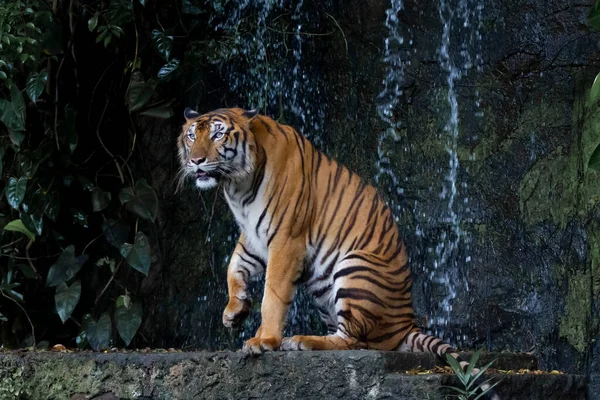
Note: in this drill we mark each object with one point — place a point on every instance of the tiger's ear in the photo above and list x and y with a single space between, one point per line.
188 113
250 114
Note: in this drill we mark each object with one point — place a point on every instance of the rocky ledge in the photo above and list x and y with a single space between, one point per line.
231 375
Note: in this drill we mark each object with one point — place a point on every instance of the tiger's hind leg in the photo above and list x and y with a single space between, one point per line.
372 305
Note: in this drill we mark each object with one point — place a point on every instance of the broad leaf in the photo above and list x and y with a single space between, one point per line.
93 22
66 267
100 199
98 333
162 43
595 90
32 213
15 191
36 82
140 93
12 114
141 200
138 253
143 3
594 162
128 321
168 69
33 219
123 301
66 298
163 111
17 226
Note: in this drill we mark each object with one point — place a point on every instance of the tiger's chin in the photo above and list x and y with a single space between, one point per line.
206 183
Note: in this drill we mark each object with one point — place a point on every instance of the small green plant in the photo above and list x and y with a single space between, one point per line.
471 390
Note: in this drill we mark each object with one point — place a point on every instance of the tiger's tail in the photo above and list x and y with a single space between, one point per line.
416 341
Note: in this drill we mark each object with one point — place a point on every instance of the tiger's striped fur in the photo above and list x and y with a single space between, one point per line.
304 219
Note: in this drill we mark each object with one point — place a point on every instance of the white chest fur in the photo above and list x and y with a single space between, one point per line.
247 218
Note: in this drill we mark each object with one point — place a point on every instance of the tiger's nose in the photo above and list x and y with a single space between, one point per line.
197 161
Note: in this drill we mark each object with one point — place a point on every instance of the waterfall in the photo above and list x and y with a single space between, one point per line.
451 263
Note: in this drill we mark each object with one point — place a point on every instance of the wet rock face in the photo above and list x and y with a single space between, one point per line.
529 249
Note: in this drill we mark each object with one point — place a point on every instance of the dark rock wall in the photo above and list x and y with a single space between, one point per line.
530 222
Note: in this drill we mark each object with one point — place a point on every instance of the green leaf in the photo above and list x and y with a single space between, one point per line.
128 321
100 199
163 111
143 3
594 16
15 191
123 301
66 298
140 93
141 200
3 75
12 115
17 226
138 253
33 220
104 32
595 90
594 162
162 43
32 213
483 393
36 82
98 333
107 40
66 267
93 22
167 70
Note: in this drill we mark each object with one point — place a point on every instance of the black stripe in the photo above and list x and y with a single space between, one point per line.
358 294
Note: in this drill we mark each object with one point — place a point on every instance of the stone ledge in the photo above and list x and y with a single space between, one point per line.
230 375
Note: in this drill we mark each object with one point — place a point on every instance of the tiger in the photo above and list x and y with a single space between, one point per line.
307 220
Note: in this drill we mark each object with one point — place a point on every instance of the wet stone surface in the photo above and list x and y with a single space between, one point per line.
229 375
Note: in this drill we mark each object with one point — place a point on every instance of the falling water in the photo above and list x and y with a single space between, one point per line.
389 98
451 262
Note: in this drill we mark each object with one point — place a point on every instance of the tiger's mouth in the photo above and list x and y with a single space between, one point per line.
205 175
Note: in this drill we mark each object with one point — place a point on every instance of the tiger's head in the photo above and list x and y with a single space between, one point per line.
216 145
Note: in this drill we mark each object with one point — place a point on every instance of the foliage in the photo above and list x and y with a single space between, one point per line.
594 19
471 389
73 93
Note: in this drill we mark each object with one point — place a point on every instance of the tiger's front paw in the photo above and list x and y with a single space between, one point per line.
260 345
296 343
236 312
